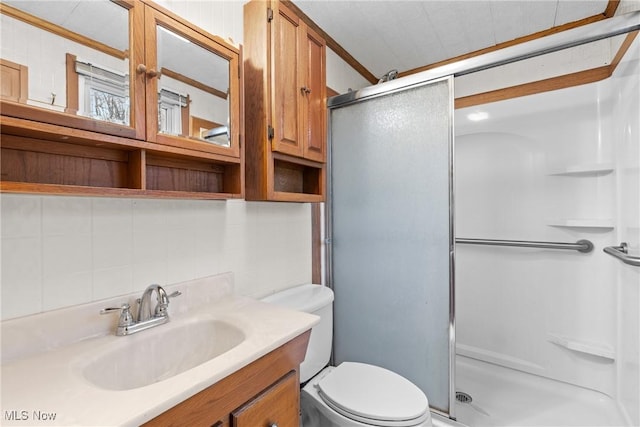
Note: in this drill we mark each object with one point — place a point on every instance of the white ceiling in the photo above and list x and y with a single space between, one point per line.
383 35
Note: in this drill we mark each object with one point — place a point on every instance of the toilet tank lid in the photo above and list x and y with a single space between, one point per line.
307 298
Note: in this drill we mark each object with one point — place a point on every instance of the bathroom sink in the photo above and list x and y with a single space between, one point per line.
162 353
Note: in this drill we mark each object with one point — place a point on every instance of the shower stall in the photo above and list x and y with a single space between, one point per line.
487 248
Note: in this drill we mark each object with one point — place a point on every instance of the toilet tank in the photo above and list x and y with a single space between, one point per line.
318 300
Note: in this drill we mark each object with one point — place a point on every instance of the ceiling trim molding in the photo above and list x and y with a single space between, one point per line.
611 8
550 84
332 44
609 12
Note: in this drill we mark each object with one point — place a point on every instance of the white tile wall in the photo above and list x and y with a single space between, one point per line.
59 251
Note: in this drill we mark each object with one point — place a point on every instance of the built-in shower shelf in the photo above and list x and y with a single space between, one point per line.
582 222
584 170
595 349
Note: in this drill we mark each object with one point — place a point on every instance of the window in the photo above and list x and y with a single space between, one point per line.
170 105
103 94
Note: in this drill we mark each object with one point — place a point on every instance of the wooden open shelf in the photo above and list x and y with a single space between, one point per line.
297 178
50 159
167 173
287 179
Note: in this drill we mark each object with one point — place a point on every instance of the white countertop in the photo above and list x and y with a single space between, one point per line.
48 382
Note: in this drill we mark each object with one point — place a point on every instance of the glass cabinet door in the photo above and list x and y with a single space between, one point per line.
192 88
72 64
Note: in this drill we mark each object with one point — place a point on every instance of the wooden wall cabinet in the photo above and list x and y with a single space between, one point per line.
263 393
59 149
285 102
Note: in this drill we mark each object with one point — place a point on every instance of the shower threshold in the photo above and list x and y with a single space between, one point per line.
507 397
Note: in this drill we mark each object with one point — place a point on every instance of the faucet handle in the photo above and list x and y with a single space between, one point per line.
126 319
163 301
112 309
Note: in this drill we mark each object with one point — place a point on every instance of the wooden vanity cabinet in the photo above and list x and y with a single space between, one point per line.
263 393
285 105
278 405
57 149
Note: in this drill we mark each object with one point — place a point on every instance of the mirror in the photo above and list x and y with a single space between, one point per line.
70 56
193 89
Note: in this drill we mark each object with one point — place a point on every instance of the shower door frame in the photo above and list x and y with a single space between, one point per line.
574 37
387 89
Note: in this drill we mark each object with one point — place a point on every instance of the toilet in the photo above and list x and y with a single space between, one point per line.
350 394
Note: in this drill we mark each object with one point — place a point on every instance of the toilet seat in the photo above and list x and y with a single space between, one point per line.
373 395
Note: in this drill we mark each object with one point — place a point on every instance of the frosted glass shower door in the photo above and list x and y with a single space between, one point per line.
391 234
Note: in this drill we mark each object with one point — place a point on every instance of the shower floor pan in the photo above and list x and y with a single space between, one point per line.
506 397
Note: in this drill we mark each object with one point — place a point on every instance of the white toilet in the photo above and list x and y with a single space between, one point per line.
350 394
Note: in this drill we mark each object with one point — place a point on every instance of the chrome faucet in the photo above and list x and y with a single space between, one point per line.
144 303
147 318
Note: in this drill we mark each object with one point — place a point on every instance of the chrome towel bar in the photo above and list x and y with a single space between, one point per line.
621 252
580 245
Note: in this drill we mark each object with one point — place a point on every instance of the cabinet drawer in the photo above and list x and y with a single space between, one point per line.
276 406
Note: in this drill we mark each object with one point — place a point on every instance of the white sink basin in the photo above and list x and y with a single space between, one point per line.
160 353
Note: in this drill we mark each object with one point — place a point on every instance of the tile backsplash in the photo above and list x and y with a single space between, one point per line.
59 251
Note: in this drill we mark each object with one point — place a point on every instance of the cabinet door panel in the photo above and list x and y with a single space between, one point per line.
287 111
315 99
79 76
192 88
278 405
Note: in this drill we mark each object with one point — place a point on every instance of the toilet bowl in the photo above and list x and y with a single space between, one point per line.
352 393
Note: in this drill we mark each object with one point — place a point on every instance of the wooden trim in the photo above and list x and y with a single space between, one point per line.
189 81
624 47
331 43
331 92
185 113
61 31
73 102
137 80
137 169
316 243
23 76
611 8
546 85
75 190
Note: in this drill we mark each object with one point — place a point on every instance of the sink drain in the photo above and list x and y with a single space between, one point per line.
463 397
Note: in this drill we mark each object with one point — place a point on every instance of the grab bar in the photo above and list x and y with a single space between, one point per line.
620 252
580 246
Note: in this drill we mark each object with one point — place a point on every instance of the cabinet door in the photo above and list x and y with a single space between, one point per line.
192 87
276 406
287 86
70 73
315 94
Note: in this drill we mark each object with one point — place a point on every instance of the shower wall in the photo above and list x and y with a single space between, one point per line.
556 166
626 134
